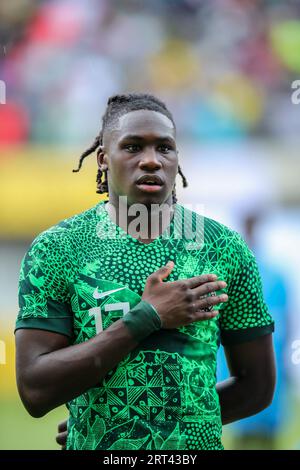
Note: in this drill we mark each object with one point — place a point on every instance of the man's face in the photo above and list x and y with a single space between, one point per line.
141 158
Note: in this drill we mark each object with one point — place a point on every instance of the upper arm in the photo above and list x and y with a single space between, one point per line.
254 360
31 344
44 299
45 320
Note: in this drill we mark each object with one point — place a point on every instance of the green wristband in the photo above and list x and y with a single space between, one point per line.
142 320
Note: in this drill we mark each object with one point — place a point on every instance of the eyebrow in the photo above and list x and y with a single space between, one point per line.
141 139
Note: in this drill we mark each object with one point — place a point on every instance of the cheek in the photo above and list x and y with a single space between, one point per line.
119 172
171 171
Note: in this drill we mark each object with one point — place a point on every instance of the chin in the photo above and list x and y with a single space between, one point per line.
147 199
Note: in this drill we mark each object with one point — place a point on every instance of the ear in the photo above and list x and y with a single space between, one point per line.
102 159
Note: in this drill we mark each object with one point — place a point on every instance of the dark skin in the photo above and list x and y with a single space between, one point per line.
129 153
51 371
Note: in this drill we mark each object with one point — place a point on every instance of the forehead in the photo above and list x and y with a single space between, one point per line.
144 122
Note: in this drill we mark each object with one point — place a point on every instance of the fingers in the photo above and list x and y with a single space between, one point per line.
198 316
199 308
161 273
63 426
61 438
209 287
199 280
207 302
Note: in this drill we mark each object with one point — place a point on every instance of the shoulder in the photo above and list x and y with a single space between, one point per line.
62 236
216 234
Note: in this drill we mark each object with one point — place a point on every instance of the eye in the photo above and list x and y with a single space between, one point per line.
132 148
165 148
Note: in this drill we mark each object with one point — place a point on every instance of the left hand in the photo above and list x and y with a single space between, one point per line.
62 435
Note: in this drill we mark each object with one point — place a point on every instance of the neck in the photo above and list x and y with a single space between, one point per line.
144 222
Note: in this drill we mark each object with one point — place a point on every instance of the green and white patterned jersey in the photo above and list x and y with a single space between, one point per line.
76 279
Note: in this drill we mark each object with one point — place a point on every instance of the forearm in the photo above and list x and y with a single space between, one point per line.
239 398
61 375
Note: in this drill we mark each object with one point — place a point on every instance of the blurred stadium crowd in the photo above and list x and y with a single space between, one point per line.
225 67
225 70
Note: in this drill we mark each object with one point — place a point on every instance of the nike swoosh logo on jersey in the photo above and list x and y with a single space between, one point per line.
100 295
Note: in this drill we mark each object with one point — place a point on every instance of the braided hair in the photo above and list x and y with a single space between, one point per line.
117 106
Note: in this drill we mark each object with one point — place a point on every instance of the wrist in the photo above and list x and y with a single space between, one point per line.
142 320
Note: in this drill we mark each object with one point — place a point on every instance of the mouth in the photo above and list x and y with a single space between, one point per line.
150 183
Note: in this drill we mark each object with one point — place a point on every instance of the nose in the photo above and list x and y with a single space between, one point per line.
149 160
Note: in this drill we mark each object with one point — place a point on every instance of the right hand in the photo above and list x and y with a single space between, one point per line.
178 303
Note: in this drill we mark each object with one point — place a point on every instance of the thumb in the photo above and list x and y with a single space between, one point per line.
164 271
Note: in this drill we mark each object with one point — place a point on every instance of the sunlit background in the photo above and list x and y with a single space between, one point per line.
225 68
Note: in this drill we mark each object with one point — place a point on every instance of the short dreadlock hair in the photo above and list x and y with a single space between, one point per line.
117 106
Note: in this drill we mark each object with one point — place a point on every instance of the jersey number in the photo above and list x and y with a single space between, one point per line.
96 312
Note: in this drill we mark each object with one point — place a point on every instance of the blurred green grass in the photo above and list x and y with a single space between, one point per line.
20 431
288 436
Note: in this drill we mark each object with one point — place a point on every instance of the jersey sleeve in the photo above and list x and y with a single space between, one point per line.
245 316
43 287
